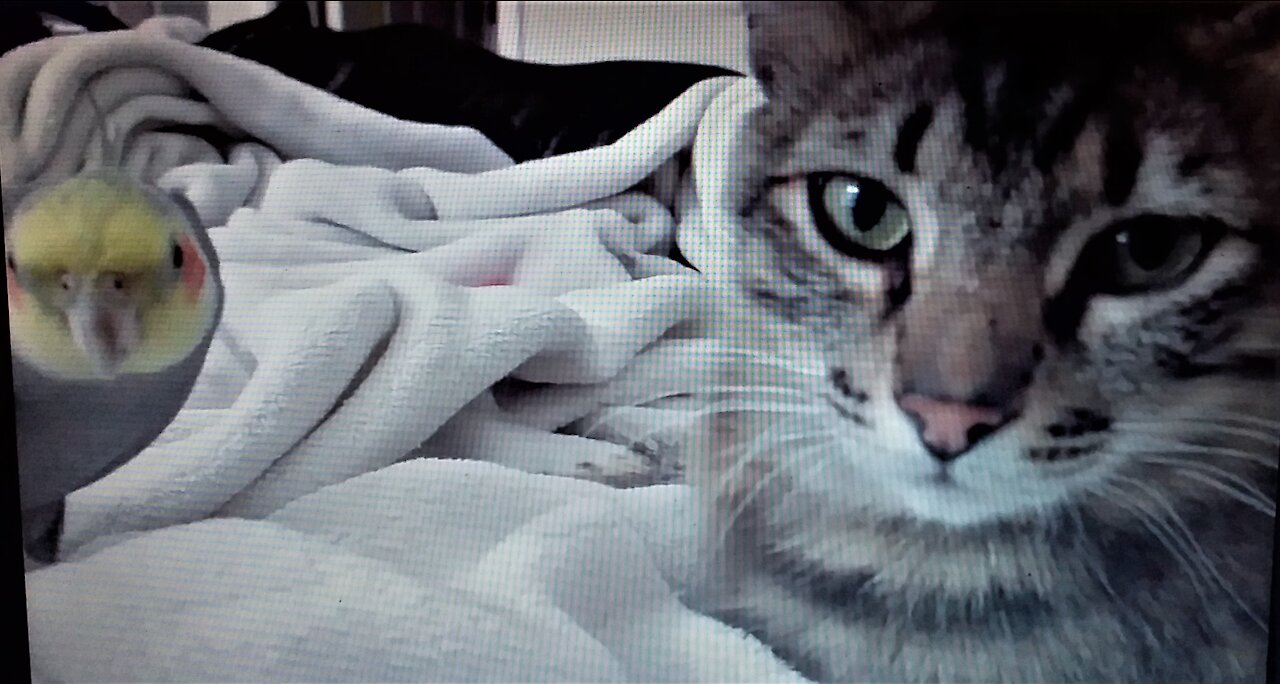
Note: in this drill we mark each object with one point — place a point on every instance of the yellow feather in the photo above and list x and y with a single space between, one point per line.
42 338
171 327
91 225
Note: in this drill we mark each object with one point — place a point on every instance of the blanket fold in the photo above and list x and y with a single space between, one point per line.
403 304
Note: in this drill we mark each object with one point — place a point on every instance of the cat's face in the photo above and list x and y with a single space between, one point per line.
1030 261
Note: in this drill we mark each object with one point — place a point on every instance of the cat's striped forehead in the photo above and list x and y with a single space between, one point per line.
1010 127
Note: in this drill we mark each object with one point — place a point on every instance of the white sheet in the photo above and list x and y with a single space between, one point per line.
451 571
381 276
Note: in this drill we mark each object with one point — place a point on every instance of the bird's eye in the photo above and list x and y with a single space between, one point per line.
8 260
176 256
117 282
1148 253
858 217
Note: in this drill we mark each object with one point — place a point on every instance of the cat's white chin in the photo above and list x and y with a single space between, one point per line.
983 487
954 504
993 482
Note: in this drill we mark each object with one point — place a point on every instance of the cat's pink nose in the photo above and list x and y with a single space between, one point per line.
949 428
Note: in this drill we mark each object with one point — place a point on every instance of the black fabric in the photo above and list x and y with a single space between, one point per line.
22 23
418 73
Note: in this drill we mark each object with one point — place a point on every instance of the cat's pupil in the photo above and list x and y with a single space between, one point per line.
858 217
1148 249
868 206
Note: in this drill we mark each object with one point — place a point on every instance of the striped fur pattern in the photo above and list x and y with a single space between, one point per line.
1119 526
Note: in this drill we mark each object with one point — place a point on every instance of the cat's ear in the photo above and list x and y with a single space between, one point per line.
794 45
1244 46
1238 31
1242 50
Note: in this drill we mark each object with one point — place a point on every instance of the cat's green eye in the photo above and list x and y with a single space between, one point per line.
1149 253
858 217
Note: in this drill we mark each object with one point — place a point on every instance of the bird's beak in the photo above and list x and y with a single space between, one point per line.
106 326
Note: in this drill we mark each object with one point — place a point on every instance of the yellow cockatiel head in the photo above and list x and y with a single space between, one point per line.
106 277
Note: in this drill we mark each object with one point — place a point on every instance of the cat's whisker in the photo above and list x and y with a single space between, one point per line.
763 438
1259 506
644 400
1206 563
1209 565
770 360
1220 417
1164 427
1082 544
810 470
1130 502
749 450
762 407
1161 532
689 418
1087 554
731 521
1246 493
1164 447
1203 466
1178 546
764 390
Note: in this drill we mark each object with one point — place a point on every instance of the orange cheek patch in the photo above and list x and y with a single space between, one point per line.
193 268
11 284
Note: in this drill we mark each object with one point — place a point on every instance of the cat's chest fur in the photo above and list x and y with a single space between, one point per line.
871 625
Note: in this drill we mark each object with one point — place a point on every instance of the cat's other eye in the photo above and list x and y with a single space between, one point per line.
1148 253
858 217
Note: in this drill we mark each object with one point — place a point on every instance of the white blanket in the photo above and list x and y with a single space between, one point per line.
296 521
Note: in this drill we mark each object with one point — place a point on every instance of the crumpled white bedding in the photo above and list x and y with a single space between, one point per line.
305 517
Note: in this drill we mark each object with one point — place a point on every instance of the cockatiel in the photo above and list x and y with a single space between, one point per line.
114 295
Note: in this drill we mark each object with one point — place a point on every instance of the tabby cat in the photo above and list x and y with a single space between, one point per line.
1007 402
